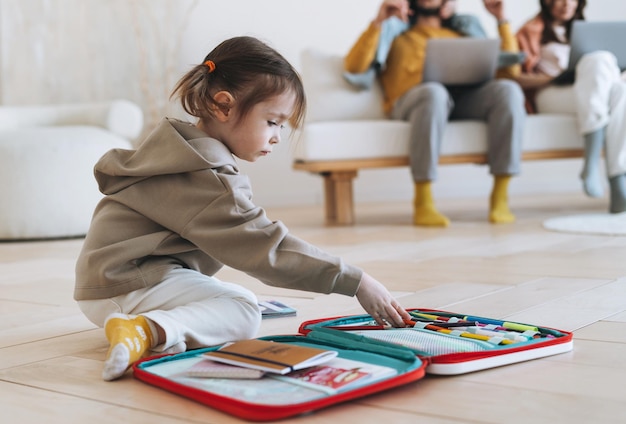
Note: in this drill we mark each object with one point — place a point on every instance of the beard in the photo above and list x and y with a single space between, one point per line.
427 11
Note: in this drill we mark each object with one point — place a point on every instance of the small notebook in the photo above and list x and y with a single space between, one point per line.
265 355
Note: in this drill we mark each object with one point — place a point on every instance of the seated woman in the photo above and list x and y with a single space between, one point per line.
597 96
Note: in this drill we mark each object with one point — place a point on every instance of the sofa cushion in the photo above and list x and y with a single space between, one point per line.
344 122
551 132
330 97
556 99
345 140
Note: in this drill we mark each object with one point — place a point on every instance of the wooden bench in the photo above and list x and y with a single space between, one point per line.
338 176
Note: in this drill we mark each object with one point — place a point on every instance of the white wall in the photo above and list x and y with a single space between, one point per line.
334 25
55 51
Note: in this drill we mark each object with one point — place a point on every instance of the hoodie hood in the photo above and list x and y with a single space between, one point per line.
174 147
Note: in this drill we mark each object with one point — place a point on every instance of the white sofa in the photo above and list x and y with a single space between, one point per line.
345 130
47 154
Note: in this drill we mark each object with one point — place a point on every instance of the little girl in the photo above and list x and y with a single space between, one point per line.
177 209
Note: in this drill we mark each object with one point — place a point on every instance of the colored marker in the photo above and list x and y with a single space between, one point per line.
463 334
441 324
433 317
508 325
509 335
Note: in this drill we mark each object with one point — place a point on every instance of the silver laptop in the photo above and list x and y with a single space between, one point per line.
587 37
461 61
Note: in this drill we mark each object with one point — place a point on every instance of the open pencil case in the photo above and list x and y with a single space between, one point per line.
452 343
437 342
271 398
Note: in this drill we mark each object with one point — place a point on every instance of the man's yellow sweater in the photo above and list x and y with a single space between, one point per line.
405 62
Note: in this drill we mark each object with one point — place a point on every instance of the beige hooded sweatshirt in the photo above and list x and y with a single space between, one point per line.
179 201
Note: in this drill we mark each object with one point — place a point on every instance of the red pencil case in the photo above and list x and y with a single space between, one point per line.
453 343
409 352
272 398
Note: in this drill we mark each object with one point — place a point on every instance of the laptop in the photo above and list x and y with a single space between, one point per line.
461 61
587 37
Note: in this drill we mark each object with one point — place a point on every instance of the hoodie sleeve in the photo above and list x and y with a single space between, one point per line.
237 233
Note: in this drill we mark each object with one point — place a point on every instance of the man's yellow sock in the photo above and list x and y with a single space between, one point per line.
130 339
425 212
499 212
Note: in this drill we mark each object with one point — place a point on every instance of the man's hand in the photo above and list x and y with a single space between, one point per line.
379 303
448 9
389 8
496 8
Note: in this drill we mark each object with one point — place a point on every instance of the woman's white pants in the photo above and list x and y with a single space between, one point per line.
598 99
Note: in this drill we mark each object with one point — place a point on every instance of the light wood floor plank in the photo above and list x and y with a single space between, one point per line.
34 405
516 302
579 309
501 401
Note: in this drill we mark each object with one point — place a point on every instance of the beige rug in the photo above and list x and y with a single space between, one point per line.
601 223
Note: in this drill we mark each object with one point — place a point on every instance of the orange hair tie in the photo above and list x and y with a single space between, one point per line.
211 65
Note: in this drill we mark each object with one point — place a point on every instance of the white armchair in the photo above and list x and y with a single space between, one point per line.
47 155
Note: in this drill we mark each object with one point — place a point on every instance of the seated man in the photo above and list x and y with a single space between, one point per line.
428 106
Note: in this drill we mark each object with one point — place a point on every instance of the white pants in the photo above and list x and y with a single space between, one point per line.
193 309
598 99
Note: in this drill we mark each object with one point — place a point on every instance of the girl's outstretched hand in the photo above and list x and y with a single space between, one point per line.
378 302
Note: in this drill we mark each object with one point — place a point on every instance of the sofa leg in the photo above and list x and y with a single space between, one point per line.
338 197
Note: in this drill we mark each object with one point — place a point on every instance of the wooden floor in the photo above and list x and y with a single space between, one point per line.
51 356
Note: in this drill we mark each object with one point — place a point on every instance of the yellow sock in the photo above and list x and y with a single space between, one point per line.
425 212
499 212
130 339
